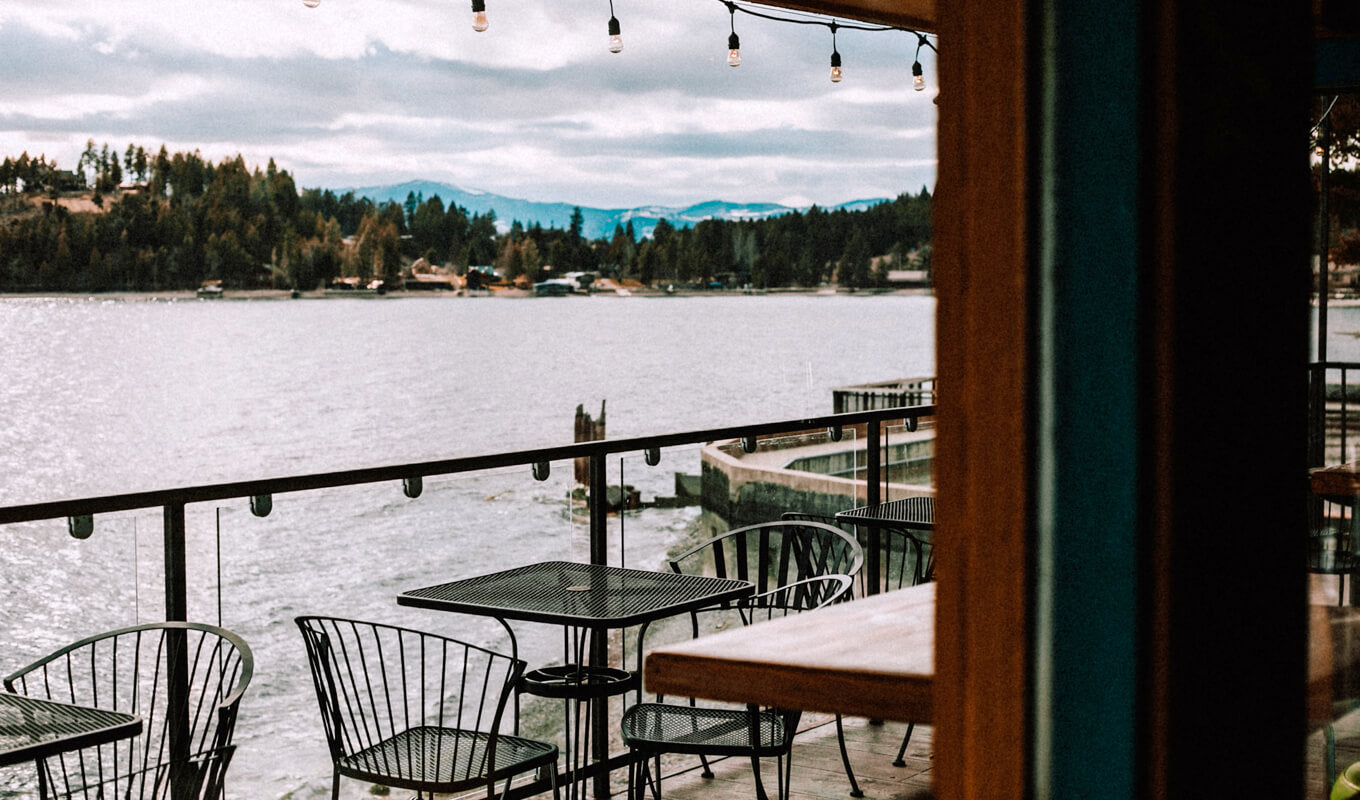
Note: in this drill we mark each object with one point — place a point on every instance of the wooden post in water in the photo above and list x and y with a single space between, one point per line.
587 430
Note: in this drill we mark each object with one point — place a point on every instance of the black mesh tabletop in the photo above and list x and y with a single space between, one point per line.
581 595
32 728
909 512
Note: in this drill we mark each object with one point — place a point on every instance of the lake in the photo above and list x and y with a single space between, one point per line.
102 396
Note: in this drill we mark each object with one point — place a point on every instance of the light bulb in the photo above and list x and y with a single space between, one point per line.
615 37
479 23
836 67
733 51
918 81
311 3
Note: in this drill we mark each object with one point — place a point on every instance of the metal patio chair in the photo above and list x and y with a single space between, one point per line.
904 560
185 745
415 710
1331 542
651 729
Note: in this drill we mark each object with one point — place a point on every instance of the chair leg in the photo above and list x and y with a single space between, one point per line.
335 784
1329 758
655 778
760 786
902 751
708 771
855 791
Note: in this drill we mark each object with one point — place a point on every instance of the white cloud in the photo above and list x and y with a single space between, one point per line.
357 93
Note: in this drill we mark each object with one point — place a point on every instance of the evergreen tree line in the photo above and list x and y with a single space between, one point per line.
180 219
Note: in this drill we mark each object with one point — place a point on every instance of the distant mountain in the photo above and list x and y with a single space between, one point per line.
599 222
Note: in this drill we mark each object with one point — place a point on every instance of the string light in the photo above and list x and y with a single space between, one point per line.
479 24
837 74
835 58
733 41
918 81
615 32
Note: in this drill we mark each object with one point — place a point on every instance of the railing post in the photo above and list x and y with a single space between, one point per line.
873 480
176 652
176 573
1317 414
598 503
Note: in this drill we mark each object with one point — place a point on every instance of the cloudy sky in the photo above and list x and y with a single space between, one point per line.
365 92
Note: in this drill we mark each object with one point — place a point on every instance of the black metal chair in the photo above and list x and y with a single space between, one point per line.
185 745
1331 542
772 555
905 559
651 729
415 710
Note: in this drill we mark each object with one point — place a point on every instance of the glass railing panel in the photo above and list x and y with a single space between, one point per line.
808 473
654 508
908 459
56 589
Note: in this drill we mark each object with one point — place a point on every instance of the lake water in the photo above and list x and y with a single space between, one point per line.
108 396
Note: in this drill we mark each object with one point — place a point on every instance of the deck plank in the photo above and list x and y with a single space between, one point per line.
817 770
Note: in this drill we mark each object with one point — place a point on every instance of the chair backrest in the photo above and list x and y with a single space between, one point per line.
905 559
185 744
374 681
774 554
804 595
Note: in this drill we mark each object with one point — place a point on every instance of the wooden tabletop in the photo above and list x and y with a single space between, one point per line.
1340 480
872 657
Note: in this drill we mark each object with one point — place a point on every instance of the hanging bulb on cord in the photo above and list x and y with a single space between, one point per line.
479 22
733 42
615 37
835 57
311 3
918 81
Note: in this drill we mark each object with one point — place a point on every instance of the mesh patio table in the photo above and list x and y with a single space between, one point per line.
913 513
583 598
32 728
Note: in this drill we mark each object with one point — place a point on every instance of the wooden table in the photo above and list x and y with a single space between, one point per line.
873 657
1340 481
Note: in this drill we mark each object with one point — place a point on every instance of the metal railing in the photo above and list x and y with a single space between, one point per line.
80 512
1333 412
887 394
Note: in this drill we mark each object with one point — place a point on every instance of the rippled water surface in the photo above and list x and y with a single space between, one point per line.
110 396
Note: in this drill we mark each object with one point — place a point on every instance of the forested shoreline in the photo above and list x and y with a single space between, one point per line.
138 221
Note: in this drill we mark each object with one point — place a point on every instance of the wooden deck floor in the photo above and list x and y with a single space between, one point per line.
817 770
